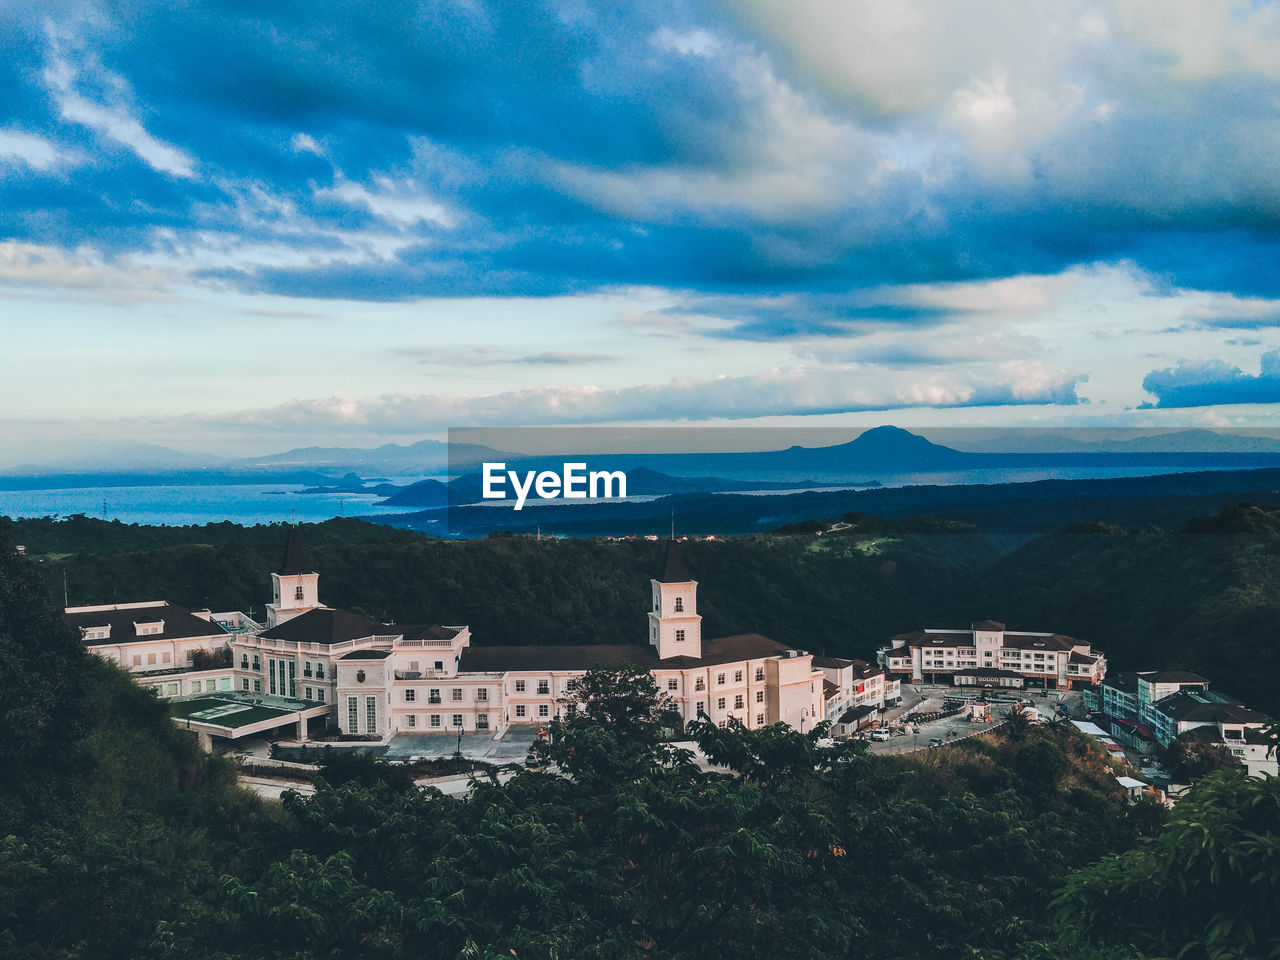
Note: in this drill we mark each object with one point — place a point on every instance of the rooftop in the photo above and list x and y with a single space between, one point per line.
750 646
295 560
178 623
325 625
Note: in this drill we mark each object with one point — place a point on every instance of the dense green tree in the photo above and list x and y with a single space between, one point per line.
1197 753
1205 887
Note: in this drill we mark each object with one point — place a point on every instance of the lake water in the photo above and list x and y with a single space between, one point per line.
274 503
195 504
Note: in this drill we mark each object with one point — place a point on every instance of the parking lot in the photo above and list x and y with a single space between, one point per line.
953 729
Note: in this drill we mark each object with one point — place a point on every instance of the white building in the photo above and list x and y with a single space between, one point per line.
179 652
413 683
1155 707
988 655
315 665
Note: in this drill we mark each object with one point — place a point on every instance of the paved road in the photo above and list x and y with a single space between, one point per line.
956 728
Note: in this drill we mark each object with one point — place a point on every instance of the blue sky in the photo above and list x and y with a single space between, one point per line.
242 227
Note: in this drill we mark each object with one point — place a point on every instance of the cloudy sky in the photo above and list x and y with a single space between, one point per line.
239 227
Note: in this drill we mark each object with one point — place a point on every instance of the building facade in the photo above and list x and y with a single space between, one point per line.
323 665
987 655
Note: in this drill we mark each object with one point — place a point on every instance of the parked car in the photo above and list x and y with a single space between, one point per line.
935 742
880 735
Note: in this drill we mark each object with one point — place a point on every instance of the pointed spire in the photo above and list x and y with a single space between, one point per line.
295 560
673 568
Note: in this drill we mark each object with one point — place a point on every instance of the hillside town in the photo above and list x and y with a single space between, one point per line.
316 672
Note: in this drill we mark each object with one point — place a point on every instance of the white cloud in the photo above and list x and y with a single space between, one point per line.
113 120
33 151
796 390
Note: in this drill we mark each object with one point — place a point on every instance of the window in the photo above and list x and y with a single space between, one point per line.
720 703
353 715
257 686
482 693
244 684
433 695
679 636
435 720
137 659
151 658
759 673
700 708
699 684
673 684
257 664
737 676
224 683
482 721
410 696
439 665
319 671
244 661
679 604
759 719
457 720
413 720
719 679
737 702
544 710
520 710
456 694
195 686
297 592
164 657
413 666
519 686
759 696
371 714
306 668
320 694
543 688
306 693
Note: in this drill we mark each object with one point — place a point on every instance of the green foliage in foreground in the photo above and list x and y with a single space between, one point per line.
616 845
117 839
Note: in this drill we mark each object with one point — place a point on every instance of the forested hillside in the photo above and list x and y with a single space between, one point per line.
119 840
838 595
1202 594
1203 597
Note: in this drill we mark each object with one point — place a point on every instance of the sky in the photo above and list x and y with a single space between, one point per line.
235 228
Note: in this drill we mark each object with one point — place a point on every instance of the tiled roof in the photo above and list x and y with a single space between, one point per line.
1171 676
833 663
988 625
1188 708
750 646
673 568
179 624
295 559
327 626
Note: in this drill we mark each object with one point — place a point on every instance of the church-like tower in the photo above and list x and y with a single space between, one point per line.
675 629
296 588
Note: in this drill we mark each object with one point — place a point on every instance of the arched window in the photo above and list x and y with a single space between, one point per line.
297 592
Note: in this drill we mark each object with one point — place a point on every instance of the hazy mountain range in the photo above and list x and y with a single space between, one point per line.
873 454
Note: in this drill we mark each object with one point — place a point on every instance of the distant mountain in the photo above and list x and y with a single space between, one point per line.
641 482
121 458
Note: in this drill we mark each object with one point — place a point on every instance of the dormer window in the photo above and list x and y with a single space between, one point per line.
97 633
149 629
